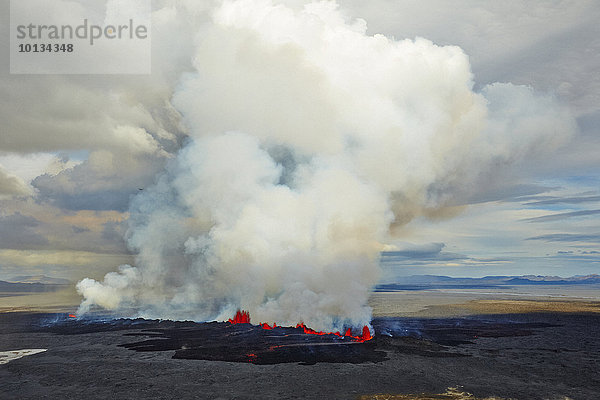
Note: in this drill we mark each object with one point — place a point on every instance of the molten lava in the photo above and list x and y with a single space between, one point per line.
243 317
72 316
366 335
310 331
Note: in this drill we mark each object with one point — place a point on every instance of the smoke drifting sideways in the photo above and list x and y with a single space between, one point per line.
310 143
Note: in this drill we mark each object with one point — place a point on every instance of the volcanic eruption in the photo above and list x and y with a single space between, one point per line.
310 143
243 317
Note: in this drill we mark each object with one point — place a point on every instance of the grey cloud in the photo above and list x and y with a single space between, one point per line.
76 114
114 232
421 253
556 217
128 117
31 231
531 198
11 185
573 67
417 251
564 200
106 181
572 256
18 231
552 47
567 237
97 200
72 112
505 191
589 123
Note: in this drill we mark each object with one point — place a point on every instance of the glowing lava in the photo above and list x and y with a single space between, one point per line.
72 316
243 317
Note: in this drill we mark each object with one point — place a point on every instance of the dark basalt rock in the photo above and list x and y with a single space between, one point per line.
223 341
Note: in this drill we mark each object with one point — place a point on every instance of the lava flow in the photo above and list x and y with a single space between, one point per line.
243 317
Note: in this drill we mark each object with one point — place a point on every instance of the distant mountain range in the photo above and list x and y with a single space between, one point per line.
39 279
33 283
418 282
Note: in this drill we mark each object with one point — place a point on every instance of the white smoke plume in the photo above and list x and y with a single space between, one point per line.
309 140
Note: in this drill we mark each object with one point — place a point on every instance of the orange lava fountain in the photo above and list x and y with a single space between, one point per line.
243 317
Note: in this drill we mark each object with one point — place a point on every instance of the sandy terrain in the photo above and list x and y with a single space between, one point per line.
425 303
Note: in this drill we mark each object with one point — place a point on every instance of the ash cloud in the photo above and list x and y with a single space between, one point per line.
309 141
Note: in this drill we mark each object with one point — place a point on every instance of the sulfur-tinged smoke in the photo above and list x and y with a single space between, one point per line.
309 142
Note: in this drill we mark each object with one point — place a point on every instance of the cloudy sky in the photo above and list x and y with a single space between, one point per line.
74 149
